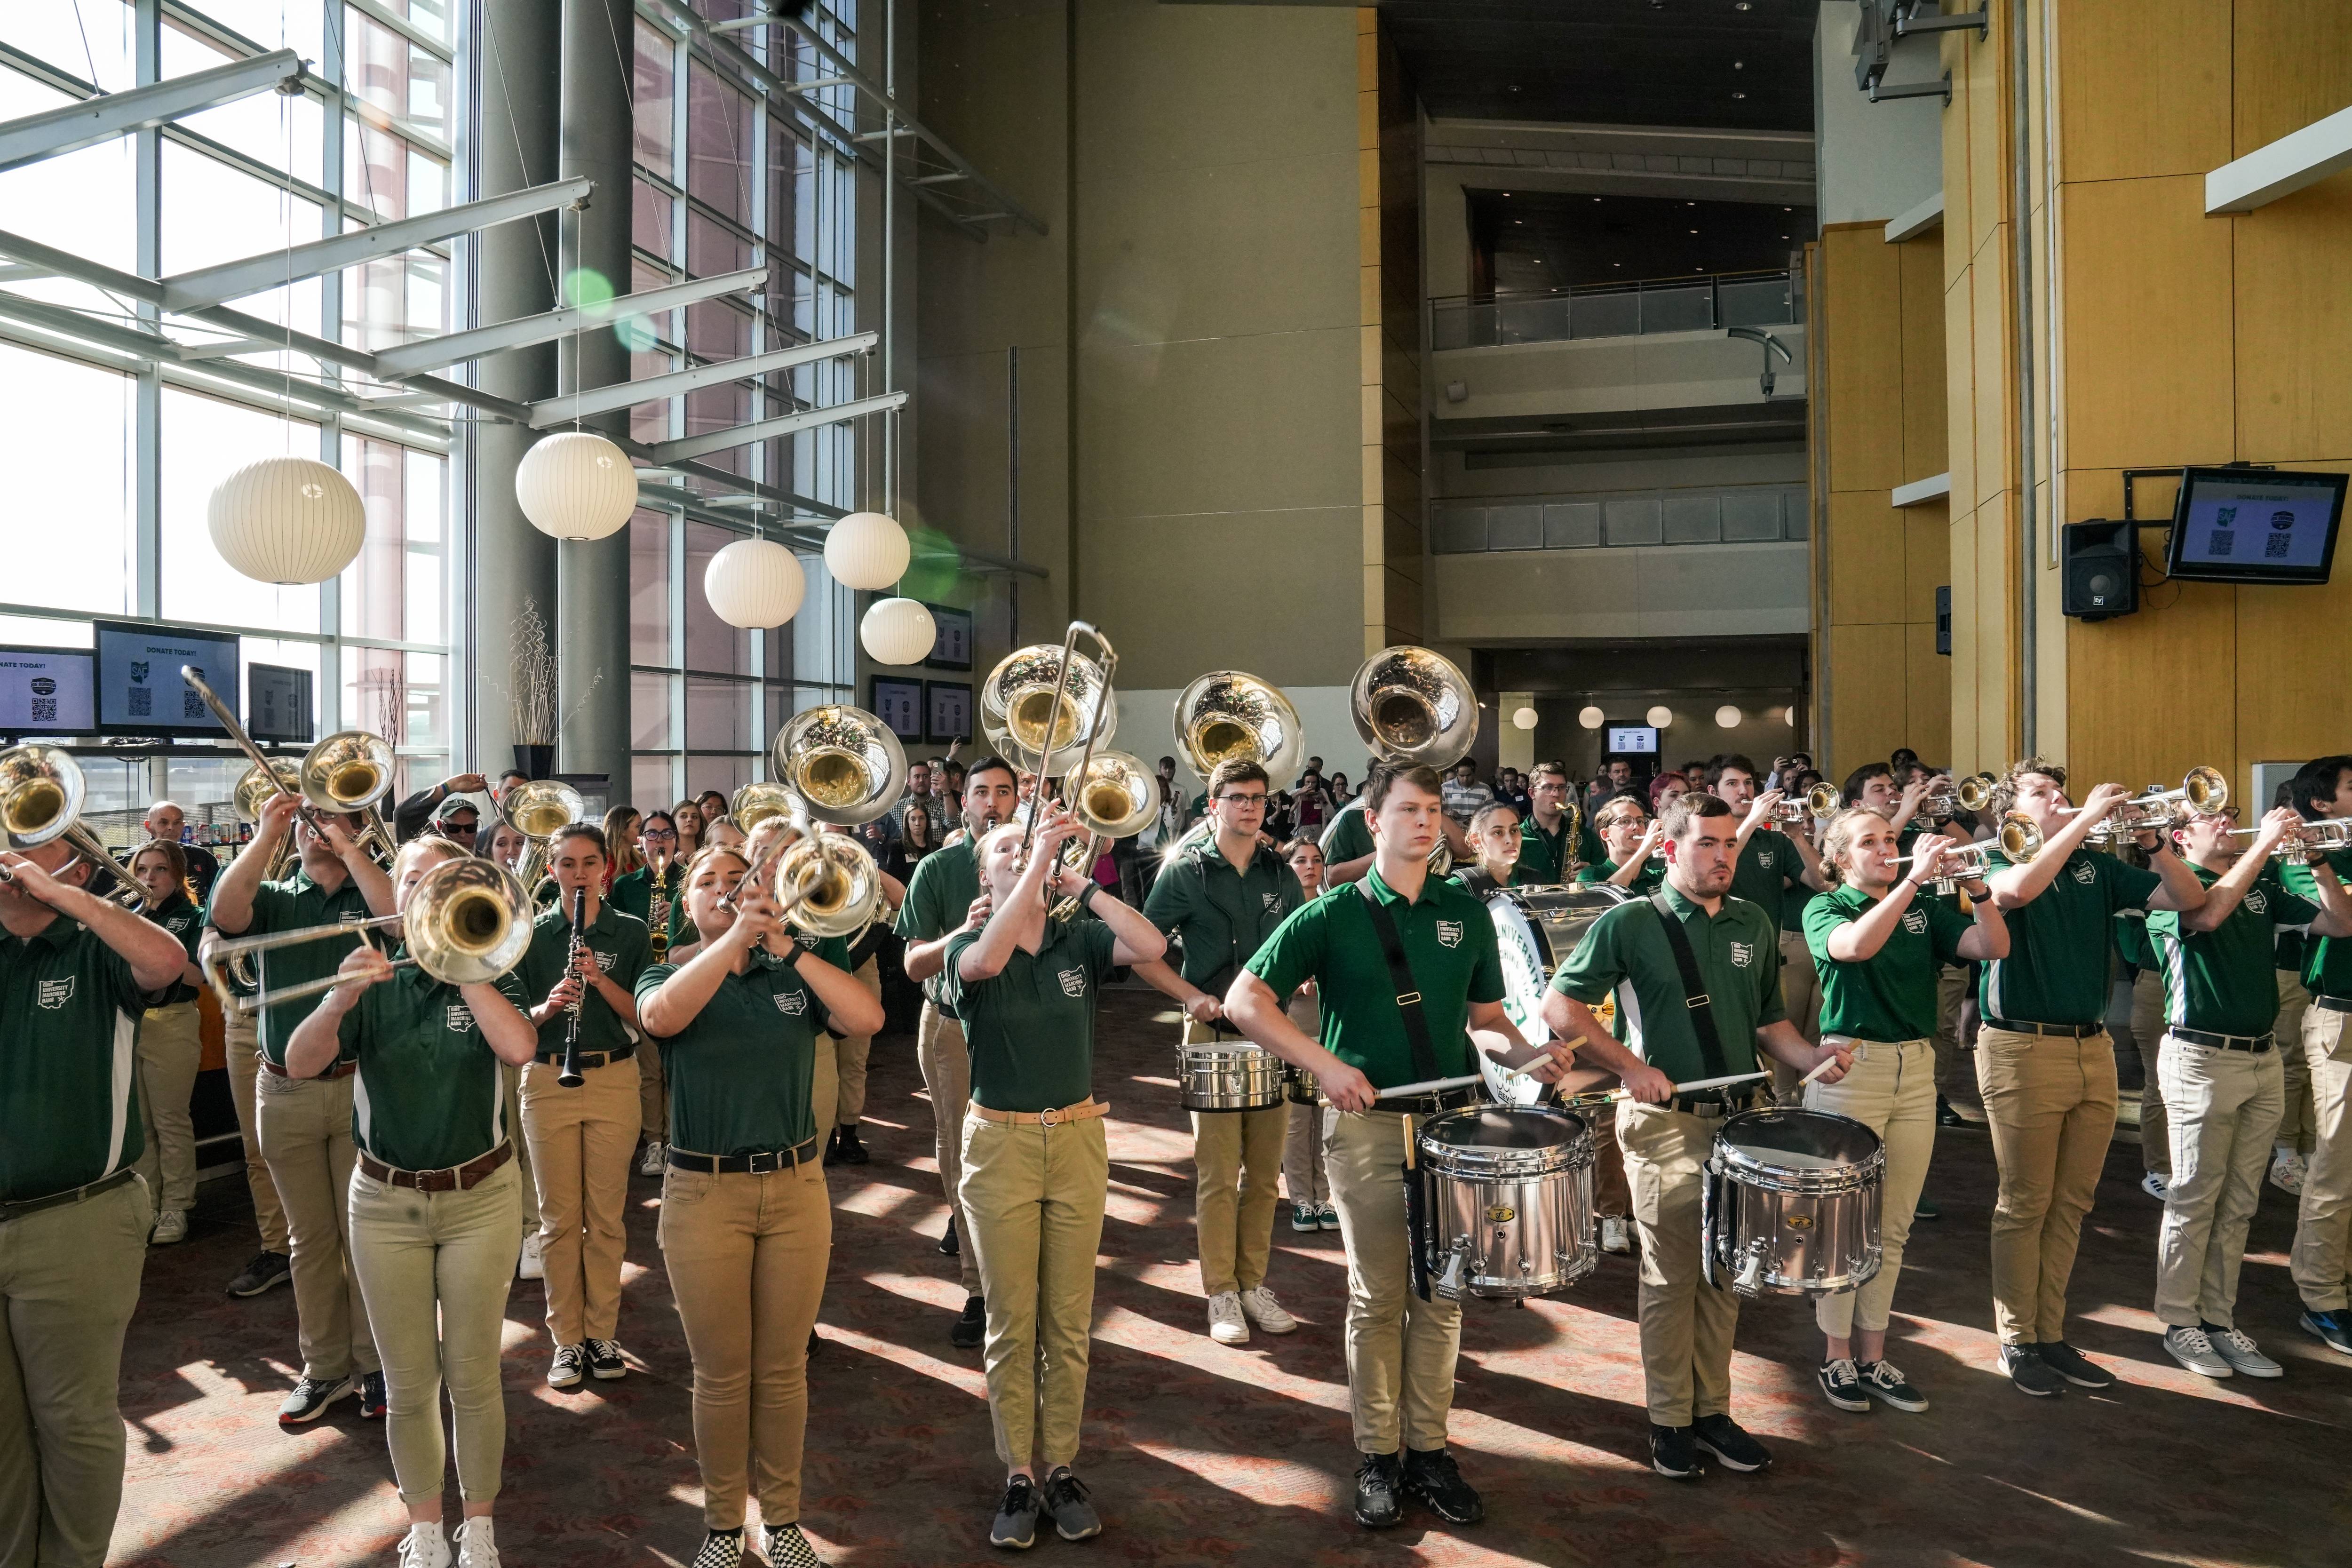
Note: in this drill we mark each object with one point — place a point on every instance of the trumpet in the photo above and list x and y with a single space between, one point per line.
2204 791
466 921
1821 800
41 796
1226 715
1947 799
2307 841
838 764
539 810
1413 708
254 789
2018 840
346 774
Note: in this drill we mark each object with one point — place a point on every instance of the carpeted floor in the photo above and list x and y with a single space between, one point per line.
1202 1455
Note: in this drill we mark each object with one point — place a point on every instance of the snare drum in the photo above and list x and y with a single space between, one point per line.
1790 1202
1229 1075
1300 1087
1506 1207
1536 929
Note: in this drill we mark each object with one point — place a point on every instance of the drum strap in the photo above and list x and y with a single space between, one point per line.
1695 996
1408 993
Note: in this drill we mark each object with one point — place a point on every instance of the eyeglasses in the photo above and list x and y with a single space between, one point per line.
467 828
1243 799
658 833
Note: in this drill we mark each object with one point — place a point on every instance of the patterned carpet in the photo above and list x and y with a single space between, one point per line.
1202 1455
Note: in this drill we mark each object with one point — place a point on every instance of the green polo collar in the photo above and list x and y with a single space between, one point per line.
56 934
1388 895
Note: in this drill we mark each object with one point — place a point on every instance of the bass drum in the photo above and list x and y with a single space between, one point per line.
1536 929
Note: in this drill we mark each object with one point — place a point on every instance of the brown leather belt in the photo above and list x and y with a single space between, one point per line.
589 1060
1085 1110
341 1069
2059 1031
456 1178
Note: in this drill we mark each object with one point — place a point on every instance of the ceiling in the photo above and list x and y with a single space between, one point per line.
1730 64
1538 240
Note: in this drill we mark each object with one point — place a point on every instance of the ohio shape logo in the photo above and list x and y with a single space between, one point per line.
1074 981
138 673
55 994
460 1019
1915 921
2086 873
1449 933
1742 953
793 1002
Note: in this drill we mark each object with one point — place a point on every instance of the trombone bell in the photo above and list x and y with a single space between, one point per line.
1118 796
1413 708
1227 715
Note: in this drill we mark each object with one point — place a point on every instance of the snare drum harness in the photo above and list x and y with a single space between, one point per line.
1424 1066
1695 996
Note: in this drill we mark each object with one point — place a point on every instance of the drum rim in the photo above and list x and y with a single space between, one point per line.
1733 1161
1476 1163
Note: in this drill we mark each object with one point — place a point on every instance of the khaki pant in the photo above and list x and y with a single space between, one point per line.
527 1219
2296 1123
239 1042
1236 1158
824 1086
850 1060
746 1257
653 1092
2225 1111
580 1141
1304 1178
1400 1349
1610 1195
68 1283
1034 1196
1800 993
1686 1324
946 1062
2147 1035
2323 1225
436 1267
306 1135
2049 1102
1890 1090
171 1048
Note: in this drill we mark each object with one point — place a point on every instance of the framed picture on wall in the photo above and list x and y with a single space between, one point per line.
900 704
948 704
951 649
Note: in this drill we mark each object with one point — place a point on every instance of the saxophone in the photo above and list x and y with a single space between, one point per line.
658 910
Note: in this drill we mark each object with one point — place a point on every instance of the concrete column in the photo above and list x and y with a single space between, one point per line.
1514 747
518 48
591 626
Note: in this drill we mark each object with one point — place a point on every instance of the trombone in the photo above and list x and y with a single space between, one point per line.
466 921
834 763
41 796
1040 701
1116 798
1821 800
539 810
1227 715
346 774
827 884
2018 840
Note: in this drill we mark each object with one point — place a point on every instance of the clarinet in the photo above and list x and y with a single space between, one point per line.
568 1075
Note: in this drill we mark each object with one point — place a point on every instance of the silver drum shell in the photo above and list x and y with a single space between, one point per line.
1229 1075
1506 1224
1793 1231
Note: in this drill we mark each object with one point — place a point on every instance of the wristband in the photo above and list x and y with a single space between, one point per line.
1086 895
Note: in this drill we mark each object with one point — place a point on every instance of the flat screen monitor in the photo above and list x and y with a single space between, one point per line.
2254 525
1629 738
140 692
46 691
277 704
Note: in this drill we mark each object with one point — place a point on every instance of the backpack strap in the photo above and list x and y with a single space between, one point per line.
1695 996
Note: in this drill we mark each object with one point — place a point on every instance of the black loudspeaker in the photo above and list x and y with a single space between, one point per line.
2099 566
1944 620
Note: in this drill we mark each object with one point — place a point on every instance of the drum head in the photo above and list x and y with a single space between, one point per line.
1802 1139
1536 930
1504 1127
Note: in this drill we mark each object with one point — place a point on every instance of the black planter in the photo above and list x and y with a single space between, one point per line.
535 761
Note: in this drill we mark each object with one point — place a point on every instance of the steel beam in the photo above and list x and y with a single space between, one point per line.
551 411
667 452
109 116
451 348
2282 167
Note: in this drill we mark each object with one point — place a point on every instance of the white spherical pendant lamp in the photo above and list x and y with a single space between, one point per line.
576 484
1591 718
1524 718
287 519
754 583
1728 717
868 551
1661 717
898 631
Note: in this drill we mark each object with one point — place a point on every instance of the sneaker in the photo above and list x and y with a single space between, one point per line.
853 1152
267 1270
1671 1453
1306 1217
1616 1234
2074 1365
477 1543
2030 1373
833 1147
2287 1171
1326 1218
171 1226
311 1398
1015 1525
2334 1329
650 1164
424 1547
1841 1384
2193 1350
720 1549
604 1363
2156 1185
971 1324
949 1246
788 1548
372 1400
1226 1324
532 1265
2242 1353
570 1365
1722 1436
1071 1507
1882 1382
1945 1115
1923 1209
1260 1307
1380 1486
1436 1481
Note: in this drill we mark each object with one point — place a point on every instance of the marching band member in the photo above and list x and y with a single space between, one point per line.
1779 871
2044 1062
2323 1228
1349 849
1551 832
1352 943
842 1057
74 1216
1676 1035
691 823
746 1224
1875 785
164 822
943 900
171 1044
581 1139
241 1048
435 1204
1220 897
304 1120
651 893
1495 835
1880 945
1304 1176
1632 837
1036 1171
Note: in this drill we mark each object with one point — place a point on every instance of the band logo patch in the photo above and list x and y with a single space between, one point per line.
793 1002
1273 902
1449 933
55 994
2086 873
604 960
1764 858
1074 981
177 923
1916 921
461 1018
2256 903
1743 953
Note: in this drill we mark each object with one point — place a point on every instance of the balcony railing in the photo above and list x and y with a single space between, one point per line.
1698 304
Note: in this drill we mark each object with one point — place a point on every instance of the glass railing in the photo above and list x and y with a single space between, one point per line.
1709 303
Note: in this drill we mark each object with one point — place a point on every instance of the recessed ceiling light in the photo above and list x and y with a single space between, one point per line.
1596 199
1518 223
1739 64
1739 95
1538 261
1742 6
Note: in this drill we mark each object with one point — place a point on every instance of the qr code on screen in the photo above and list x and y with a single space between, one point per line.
2225 542
191 705
45 710
143 702
2275 546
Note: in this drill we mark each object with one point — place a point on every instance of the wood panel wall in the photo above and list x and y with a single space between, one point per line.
1388 325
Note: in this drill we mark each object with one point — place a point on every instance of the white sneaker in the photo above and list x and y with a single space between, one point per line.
171 1226
1266 1312
477 1545
2193 1350
2243 1355
1225 1322
533 1264
651 1165
2287 1171
424 1547
1616 1236
2155 1186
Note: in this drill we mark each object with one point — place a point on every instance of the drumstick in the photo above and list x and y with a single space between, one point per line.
1611 1096
1408 1141
1822 1067
1427 1086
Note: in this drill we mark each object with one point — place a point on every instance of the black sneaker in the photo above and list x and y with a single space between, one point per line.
1671 1453
2332 1327
971 1324
788 1548
1380 1486
816 1343
1071 1506
720 1549
372 1402
1882 1382
1923 1209
1945 1116
948 1247
570 1365
1840 1382
1016 1517
2074 1365
1721 1436
853 1152
1436 1480
268 1269
2030 1373
833 1147
311 1398
605 1361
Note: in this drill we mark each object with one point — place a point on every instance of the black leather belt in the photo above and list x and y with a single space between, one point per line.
72 1195
2334 1004
2257 1044
759 1164
589 1060
2063 1031
1720 1102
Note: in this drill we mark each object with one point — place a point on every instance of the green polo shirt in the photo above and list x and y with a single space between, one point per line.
740 1073
292 905
1769 868
1545 858
1889 996
633 894
938 900
1221 915
2057 969
68 1069
179 915
2326 960
1350 837
1647 880
2131 939
2221 981
623 948
429 1095
1031 1028
1449 941
1739 954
